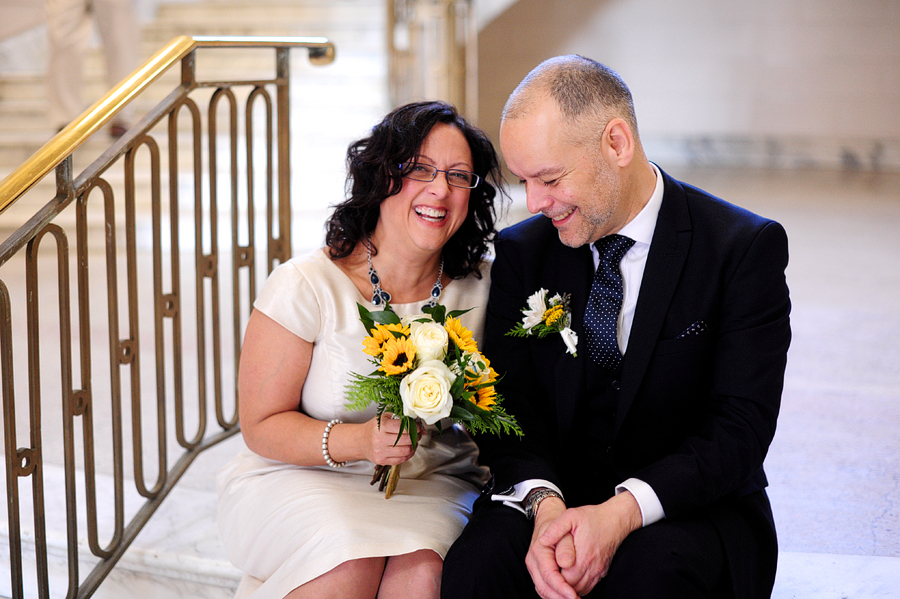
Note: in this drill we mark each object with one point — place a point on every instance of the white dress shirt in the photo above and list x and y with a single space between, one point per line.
640 229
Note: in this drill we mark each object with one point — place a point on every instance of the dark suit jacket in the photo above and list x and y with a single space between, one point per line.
695 415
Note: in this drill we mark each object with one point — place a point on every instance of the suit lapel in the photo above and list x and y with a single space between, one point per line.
665 260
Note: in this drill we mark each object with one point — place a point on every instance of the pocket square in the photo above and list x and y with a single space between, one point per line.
695 329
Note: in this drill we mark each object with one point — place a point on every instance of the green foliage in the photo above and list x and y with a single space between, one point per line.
371 318
478 420
383 391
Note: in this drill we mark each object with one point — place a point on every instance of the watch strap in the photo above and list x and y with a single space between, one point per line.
535 498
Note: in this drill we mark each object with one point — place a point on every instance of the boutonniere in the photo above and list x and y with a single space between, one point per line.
546 316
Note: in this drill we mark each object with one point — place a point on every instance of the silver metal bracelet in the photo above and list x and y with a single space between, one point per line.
535 498
325 453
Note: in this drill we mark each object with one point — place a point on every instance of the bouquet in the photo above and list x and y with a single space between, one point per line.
544 316
428 368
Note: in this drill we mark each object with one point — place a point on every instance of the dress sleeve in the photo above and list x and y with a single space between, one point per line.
289 298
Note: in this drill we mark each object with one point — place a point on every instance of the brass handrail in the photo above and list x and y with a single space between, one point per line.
42 162
155 298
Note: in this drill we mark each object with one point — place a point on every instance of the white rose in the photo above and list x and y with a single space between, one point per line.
570 339
430 340
537 305
426 392
408 319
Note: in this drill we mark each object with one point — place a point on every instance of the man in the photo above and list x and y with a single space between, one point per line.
640 472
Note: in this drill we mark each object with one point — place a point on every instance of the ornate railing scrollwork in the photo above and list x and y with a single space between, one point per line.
104 382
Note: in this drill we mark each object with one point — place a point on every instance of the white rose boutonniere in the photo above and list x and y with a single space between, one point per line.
570 339
543 317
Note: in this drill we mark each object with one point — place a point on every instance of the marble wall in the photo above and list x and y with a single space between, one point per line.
772 83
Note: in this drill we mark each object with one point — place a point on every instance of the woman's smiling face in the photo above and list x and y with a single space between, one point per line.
428 214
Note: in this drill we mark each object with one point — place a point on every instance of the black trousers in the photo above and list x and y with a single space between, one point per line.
679 559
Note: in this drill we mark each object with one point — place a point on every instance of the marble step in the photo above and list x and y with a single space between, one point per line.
358 27
21 115
178 554
341 13
829 576
330 107
356 23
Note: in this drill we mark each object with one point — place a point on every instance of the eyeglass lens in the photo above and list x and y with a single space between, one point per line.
426 172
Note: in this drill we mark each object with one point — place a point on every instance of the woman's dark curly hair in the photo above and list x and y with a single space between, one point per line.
373 175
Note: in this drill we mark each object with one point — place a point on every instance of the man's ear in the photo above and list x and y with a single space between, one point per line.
618 143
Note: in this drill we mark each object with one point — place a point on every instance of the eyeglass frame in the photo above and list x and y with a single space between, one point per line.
436 171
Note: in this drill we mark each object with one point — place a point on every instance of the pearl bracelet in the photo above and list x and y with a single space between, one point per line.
325 453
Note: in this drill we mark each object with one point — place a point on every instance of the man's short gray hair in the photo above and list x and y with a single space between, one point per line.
588 94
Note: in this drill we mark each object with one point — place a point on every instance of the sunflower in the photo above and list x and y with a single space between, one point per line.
485 397
374 344
460 335
399 354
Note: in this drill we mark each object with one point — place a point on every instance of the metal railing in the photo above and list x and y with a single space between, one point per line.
134 241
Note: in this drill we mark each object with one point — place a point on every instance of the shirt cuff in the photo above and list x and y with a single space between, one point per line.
651 509
514 496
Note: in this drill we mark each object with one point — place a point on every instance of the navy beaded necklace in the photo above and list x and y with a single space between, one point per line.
380 297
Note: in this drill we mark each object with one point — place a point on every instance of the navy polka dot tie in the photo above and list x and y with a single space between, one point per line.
605 302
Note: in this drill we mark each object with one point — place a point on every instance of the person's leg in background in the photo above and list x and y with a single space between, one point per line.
119 32
68 32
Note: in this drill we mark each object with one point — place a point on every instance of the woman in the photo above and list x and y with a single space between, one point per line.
297 512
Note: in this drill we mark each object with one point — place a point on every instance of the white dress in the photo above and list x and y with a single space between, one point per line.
284 525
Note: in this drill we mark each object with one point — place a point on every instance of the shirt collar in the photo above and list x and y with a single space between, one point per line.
641 227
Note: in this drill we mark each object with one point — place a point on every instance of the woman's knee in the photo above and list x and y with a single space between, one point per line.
424 561
416 574
354 578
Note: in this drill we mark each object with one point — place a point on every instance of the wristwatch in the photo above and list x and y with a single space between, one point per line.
535 498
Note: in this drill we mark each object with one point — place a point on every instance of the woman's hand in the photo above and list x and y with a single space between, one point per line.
381 445
274 365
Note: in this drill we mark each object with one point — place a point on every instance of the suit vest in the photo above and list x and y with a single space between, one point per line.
587 469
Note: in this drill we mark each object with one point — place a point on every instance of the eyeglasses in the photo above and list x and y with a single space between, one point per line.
427 173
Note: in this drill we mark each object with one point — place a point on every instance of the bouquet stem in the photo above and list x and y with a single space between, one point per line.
387 478
392 479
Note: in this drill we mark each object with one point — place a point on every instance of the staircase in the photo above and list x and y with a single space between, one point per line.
331 106
179 553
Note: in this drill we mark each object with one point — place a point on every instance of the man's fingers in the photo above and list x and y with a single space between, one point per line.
565 552
558 529
583 582
548 582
